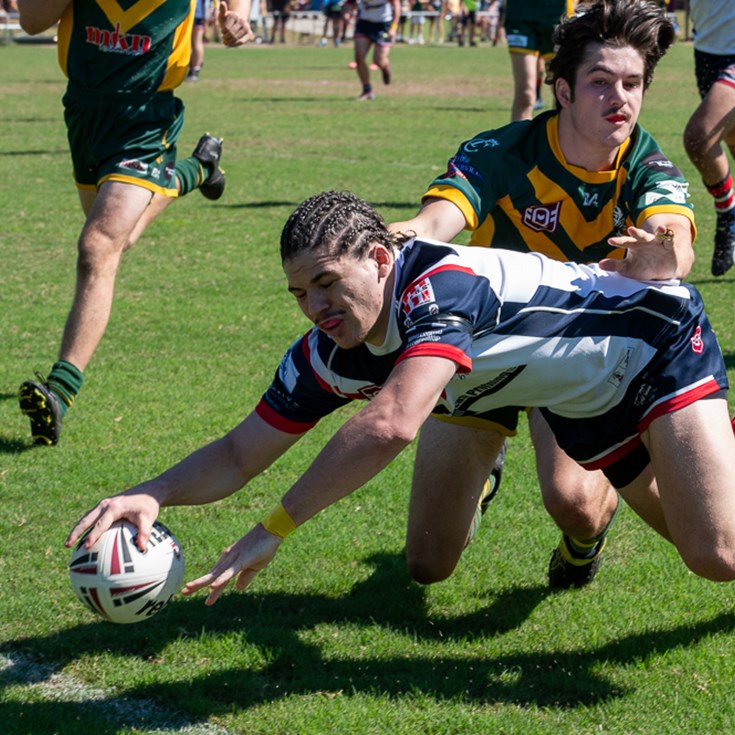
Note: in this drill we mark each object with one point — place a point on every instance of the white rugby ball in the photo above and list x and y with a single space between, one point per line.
122 584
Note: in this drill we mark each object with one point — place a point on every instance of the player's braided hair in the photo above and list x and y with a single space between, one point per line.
641 24
338 221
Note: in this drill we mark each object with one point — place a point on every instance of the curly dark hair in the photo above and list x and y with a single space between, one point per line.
338 221
641 24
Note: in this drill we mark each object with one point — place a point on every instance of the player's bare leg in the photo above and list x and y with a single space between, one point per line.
112 220
582 504
692 451
452 465
525 71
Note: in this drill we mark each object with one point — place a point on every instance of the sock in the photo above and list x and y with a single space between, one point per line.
586 548
723 194
367 88
65 380
191 173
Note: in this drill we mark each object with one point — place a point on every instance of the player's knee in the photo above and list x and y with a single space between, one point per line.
96 253
580 511
696 139
426 568
716 563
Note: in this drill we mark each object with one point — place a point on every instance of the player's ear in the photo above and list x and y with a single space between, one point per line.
563 92
383 257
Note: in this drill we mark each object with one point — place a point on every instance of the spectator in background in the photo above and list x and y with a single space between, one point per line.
280 11
468 22
529 27
333 15
201 18
418 21
377 23
713 123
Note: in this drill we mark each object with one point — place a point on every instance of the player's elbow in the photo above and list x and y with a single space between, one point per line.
33 26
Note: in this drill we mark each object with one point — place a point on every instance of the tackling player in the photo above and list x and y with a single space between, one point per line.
579 183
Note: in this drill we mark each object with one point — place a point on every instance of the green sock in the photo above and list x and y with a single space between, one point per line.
191 174
66 381
586 548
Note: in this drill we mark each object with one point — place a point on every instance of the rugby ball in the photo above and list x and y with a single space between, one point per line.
122 584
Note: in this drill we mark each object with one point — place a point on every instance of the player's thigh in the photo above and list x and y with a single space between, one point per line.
451 466
565 485
692 453
714 119
116 211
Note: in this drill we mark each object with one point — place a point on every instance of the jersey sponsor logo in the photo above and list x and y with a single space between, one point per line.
418 294
116 42
675 191
589 200
455 168
471 396
697 342
478 144
543 217
618 375
134 165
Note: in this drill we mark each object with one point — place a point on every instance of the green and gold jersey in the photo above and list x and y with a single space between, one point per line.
136 47
540 11
517 191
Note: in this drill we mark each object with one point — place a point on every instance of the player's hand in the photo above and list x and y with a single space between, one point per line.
234 28
649 256
141 509
244 559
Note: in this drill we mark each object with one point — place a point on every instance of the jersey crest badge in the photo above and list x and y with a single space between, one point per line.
418 294
543 217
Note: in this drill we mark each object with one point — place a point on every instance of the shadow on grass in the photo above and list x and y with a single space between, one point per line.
560 679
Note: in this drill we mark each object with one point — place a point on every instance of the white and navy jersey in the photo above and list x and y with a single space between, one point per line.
523 330
375 11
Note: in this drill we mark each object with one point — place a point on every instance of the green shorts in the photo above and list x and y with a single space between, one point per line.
133 143
530 37
503 420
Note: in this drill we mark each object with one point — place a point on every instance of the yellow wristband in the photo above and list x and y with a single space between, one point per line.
279 522
394 27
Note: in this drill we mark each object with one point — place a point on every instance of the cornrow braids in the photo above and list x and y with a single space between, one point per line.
641 24
338 221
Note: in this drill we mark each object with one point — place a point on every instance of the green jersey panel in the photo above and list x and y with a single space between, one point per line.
516 191
539 11
136 47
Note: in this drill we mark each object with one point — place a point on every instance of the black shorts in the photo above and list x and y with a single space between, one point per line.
712 68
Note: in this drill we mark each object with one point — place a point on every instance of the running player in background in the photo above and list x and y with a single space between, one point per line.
529 30
629 376
123 122
713 122
377 24
577 184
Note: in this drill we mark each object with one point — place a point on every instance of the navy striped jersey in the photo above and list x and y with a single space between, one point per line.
125 46
522 329
516 190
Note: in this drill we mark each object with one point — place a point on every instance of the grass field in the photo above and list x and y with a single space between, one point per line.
333 637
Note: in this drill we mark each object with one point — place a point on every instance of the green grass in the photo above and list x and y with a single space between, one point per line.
333 636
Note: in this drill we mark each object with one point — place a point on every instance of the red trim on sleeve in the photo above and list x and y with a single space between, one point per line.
437 349
279 422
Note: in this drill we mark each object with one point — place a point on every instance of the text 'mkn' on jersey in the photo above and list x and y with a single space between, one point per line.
136 47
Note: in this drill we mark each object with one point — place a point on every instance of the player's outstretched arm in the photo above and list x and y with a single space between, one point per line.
660 250
365 444
438 219
37 16
205 476
234 22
